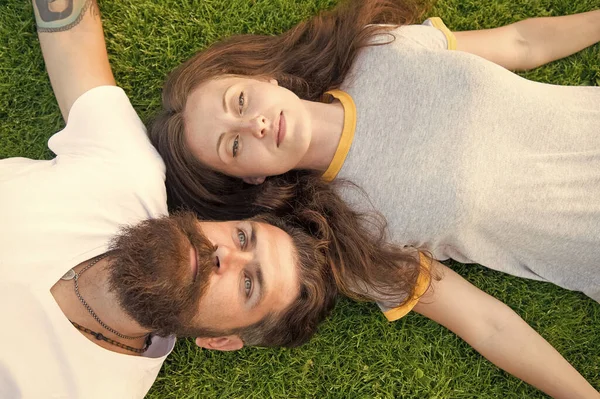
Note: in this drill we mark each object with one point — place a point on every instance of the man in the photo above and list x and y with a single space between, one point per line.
92 293
77 304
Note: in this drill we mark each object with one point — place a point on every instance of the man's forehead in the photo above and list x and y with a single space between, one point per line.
280 247
272 232
277 255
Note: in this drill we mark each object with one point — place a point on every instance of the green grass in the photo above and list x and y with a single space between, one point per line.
356 354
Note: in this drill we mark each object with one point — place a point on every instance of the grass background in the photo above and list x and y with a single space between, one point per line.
356 354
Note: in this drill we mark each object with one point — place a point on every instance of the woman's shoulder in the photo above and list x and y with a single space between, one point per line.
432 34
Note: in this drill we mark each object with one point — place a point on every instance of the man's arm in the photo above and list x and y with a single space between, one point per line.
72 42
501 336
533 42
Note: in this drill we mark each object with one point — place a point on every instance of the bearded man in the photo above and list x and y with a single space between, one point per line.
96 278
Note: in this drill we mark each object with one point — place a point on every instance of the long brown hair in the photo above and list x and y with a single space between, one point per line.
309 59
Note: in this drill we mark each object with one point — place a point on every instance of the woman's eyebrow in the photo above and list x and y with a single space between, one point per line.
225 99
225 110
219 141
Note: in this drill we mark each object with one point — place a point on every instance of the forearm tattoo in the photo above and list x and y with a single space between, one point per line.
61 15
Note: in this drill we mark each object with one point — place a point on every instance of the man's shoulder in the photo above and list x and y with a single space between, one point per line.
58 360
106 140
103 123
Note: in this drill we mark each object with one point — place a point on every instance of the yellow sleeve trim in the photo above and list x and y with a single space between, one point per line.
422 285
450 38
347 134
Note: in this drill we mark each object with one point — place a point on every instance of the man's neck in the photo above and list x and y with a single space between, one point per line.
94 289
327 122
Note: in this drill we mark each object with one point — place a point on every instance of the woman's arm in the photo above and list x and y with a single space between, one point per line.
72 42
501 336
533 42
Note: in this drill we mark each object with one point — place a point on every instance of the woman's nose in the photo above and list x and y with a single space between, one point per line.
258 126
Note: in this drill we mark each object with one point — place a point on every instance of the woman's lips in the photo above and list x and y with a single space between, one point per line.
281 130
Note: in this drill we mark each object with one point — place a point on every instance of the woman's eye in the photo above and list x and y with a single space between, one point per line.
217 262
236 145
242 238
241 101
247 285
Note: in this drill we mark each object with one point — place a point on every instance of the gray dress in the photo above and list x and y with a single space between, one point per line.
475 163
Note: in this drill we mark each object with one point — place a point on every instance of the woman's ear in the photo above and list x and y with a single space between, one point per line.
228 343
254 180
274 82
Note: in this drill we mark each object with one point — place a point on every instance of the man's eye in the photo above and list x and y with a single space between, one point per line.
236 145
248 285
241 101
242 238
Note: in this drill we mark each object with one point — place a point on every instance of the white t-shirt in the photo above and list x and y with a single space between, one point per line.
56 214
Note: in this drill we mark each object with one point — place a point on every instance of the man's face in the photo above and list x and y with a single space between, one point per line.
253 274
178 275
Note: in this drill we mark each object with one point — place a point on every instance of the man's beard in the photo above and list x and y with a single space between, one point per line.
151 276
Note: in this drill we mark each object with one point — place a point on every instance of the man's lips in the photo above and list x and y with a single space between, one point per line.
193 262
281 129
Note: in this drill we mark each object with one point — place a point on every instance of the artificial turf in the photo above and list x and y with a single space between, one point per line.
356 354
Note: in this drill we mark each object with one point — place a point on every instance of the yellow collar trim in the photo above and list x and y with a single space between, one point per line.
347 134
450 38
423 282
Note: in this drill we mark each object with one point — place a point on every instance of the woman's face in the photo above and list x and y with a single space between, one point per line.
247 128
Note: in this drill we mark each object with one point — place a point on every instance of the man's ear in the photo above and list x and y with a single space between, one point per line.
274 82
228 343
254 180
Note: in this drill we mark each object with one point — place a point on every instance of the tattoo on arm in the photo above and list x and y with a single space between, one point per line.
62 15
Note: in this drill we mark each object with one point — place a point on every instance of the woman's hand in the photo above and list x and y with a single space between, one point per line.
533 42
500 335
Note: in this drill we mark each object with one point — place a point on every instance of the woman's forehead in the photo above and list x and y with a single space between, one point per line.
201 116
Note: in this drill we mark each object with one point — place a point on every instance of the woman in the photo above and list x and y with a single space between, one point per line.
462 157
243 130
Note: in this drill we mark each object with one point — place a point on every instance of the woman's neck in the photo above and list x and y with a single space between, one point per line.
327 122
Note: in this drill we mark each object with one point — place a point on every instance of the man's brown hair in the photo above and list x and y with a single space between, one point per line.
296 324
149 263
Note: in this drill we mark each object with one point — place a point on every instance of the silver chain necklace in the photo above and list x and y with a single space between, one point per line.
73 275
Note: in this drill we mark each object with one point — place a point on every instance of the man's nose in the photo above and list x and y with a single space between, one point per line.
231 259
